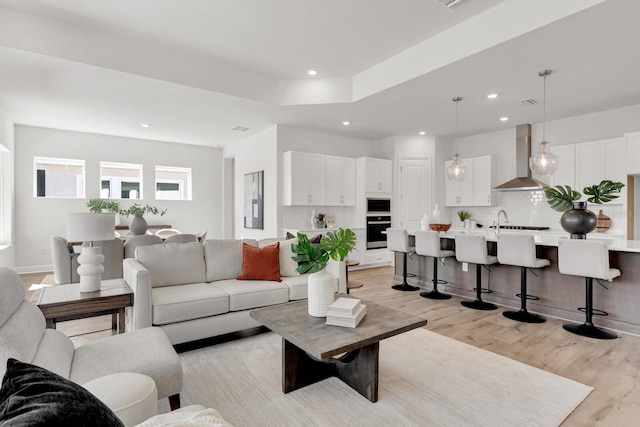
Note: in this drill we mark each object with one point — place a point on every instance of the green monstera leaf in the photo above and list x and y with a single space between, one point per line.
603 192
313 257
561 198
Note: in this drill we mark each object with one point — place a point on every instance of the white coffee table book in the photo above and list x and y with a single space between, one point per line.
347 312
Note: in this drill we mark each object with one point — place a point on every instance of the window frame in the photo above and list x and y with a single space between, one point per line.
66 162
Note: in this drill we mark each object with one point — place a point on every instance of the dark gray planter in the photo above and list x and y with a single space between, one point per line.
579 221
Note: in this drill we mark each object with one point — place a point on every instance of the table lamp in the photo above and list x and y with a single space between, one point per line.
90 227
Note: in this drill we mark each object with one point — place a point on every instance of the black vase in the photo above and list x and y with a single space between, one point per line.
579 221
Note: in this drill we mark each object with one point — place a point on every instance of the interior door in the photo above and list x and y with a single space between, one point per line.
415 192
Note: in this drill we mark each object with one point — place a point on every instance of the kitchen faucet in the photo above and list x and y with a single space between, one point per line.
497 224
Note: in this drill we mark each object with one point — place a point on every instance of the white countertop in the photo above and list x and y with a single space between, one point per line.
549 237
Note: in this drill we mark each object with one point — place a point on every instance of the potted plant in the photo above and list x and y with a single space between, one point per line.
465 218
576 218
313 258
320 221
105 206
138 224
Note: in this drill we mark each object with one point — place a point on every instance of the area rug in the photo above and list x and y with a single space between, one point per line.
426 379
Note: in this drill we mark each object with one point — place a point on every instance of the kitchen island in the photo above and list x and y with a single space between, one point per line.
560 295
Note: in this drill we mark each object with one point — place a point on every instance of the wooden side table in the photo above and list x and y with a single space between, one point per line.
59 303
351 284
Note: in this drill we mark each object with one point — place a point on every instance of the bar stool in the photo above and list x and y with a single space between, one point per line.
428 244
472 248
398 241
520 250
588 259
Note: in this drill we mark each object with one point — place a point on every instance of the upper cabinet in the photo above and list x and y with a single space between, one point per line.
632 147
303 179
477 187
378 173
587 163
340 182
317 180
565 174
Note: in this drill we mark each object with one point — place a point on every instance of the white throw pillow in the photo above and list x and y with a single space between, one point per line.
287 264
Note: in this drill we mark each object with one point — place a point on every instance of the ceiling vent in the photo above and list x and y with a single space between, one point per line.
450 3
240 129
528 101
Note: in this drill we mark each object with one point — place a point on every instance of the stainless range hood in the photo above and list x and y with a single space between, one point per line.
523 180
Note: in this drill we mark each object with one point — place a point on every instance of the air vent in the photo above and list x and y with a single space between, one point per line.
450 3
240 129
528 101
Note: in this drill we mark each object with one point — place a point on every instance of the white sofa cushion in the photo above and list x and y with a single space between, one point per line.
246 294
179 303
287 264
173 263
224 258
20 335
297 286
55 342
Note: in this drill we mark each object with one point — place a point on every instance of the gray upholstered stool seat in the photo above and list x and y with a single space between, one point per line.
428 244
520 250
472 248
588 259
398 241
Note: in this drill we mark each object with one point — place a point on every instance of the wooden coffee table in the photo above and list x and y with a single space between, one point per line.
65 302
308 345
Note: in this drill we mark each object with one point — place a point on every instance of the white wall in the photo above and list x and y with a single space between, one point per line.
255 153
38 218
7 250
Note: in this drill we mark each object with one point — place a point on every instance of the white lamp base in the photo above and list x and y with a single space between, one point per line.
90 269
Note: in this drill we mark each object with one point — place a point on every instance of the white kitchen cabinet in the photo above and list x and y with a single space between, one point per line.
588 165
358 253
565 174
378 175
378 256
632 147
459 193
613 160
340 181
482 181
303 178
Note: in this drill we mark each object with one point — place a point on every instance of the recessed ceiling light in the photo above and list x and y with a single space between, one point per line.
312 72
504 119
346 123
492 96
144 125
422 132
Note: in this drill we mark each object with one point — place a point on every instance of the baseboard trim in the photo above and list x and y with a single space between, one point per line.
34 269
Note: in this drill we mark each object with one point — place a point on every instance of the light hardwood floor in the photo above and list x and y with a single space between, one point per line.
611 367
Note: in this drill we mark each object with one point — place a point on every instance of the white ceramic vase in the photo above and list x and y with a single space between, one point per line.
322 287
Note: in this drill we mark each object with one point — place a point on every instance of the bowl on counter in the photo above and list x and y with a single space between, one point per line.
440 227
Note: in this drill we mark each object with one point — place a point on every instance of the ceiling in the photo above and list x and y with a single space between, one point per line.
195 70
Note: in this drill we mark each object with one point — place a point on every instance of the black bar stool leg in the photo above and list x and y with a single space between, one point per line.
404 286
588 329
523 315
435 293
478 304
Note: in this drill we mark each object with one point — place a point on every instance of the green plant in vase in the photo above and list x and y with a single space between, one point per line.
138 224
576 219
313 259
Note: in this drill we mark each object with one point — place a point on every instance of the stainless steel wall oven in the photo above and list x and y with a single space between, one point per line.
378 220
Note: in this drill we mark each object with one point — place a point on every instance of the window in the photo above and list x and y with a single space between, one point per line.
55 177
120 180
173 183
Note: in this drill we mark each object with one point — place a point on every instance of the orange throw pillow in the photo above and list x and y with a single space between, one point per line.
260 263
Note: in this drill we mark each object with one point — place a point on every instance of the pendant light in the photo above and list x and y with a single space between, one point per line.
456 172
544 162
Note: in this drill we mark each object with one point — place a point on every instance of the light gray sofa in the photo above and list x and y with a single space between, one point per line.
190 290
23 337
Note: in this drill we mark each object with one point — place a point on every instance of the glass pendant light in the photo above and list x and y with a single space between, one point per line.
544 162
456 172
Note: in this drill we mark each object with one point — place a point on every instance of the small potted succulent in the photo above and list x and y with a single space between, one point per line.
138 224
465 218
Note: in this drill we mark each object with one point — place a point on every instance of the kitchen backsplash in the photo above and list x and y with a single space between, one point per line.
531 208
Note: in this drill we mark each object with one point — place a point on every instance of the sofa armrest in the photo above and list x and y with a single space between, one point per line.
138 279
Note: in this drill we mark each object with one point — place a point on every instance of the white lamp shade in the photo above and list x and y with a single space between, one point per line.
90 227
